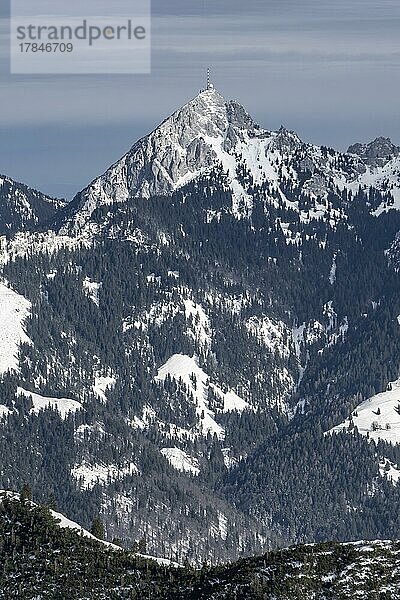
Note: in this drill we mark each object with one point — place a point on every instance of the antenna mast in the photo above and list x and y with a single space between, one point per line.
209 84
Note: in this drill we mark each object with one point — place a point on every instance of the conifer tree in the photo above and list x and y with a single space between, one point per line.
97 528
26 493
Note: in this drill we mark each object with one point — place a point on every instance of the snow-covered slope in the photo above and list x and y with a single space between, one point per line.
192 327
378 418
385 178
389 470
14 309
102 385
181 461
195 138
211 133
64 406
186 369
90 475
64 523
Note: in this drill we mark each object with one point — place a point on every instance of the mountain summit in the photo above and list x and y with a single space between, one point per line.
210 133
195 138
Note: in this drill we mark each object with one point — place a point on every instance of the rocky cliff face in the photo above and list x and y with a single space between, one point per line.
192 140
376 153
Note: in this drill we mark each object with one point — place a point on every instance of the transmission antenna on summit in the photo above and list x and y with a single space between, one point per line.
210 86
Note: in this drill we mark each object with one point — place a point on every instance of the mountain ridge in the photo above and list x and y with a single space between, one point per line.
22 207
210 132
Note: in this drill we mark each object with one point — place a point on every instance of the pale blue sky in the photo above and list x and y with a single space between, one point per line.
329 70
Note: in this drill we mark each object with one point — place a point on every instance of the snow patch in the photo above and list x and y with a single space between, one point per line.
232 402
223 525
64 406
101 385
389 470
14 309
332 274
4 411
83 430
377 418
181 461
91 289
148 417
298 339
273 334
157 314
200 323
229 460
340 334
90 475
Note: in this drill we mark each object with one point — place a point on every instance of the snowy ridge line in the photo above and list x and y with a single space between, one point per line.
209 132
65 523
23 244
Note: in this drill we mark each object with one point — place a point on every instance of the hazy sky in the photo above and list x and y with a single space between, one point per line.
328 69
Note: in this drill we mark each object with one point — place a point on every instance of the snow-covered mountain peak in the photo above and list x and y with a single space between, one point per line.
209 112
210 133
205 114
200 135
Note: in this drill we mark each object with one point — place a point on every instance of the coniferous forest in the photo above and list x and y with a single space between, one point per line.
202 372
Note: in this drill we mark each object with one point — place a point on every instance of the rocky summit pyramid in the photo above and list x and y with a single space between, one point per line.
210 131
195 138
